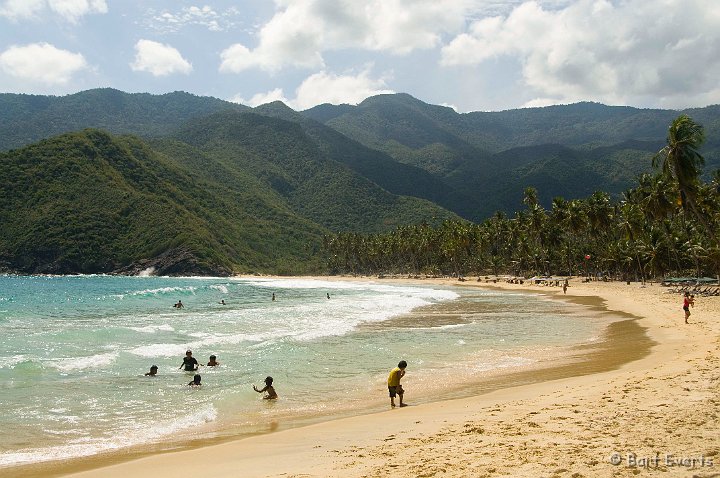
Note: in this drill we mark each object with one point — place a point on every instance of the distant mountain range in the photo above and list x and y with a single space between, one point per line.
105 181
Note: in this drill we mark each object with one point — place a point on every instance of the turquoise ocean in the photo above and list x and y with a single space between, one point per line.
74 350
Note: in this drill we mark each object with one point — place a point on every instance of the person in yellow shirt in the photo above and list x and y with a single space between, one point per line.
394 386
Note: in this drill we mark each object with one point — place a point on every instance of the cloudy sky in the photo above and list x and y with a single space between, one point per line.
470 54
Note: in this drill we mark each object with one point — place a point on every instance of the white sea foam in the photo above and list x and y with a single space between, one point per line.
151 329
158 291
178 350
222 288
86 446
150 271
10 362
82 363
440 294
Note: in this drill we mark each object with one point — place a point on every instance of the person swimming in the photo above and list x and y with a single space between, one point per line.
195 381
152 372
213 362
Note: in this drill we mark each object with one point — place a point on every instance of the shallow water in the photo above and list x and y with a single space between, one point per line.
74 350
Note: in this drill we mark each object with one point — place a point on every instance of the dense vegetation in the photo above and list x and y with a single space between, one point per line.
668 223
207 186
26 119
237 197
90 202
489 158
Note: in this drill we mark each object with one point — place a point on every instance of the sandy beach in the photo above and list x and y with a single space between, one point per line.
657 414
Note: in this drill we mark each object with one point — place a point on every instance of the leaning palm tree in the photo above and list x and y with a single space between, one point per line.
681 160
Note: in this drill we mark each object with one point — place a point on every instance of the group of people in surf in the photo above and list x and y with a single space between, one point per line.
190 364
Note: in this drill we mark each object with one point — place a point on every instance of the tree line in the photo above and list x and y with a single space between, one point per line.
667 224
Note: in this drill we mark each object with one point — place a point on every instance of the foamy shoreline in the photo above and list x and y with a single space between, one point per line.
664 404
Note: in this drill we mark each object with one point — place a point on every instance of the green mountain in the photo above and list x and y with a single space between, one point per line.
26 119
305 172
393 176
90 202
567 150
200 185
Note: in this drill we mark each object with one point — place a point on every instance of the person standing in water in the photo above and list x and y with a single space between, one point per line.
152 372
269 389
273 297
394 387
189 363
179 305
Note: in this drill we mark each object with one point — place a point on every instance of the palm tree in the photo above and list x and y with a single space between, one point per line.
681 160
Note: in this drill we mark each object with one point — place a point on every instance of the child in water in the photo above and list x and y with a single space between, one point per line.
153 371
394 387
270 395
196 381
213 361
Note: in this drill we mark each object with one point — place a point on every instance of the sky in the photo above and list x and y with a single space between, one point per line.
472 55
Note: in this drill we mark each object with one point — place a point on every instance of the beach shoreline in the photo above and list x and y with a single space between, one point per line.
361 446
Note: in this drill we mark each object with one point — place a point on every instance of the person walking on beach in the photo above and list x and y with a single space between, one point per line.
268 388
189 363
688 301
394 387
565 286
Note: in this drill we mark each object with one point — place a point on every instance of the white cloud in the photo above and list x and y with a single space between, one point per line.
168 21
324 87
18 9
302 30
159 59
41 63
70 10
263 98
614 52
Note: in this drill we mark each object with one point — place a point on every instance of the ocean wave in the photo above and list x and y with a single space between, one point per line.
82 363
206 340
349 285
84 446
158 291
151 329
24 366
221 287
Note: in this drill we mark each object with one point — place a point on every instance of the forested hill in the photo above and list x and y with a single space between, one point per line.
89 202
239 193
192 184
567 150
410 122
26 119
